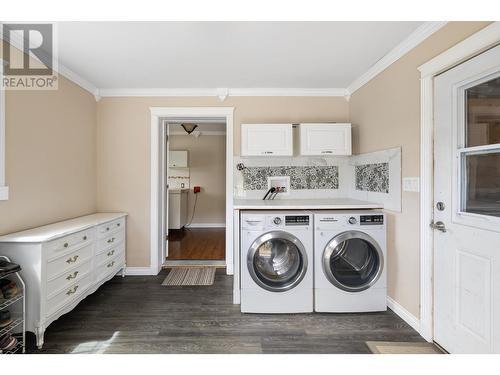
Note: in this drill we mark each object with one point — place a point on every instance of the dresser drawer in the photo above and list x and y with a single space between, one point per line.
54 248
110 253
71 276
110 240
111 266
62 264
68 294
106 228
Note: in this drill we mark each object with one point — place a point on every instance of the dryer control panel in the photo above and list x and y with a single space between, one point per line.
297 220
371 219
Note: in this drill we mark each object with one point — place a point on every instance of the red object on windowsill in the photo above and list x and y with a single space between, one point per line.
196 189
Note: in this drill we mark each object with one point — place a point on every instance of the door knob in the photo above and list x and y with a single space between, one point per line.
439 225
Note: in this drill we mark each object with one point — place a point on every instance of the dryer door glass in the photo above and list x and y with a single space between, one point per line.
277 262
353 261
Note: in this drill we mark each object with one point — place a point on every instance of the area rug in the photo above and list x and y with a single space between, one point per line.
387 347
184 276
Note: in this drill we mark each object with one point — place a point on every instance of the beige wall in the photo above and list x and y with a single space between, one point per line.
386 113
50 156
123 149
207 168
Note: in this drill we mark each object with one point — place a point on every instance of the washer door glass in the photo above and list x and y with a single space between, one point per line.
353 261
277 261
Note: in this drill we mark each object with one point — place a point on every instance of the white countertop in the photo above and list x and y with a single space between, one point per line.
304 204
52 231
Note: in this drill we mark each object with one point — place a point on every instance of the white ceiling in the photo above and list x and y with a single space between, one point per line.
115 55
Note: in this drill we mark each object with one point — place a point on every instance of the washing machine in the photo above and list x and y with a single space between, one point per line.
350 261
276 262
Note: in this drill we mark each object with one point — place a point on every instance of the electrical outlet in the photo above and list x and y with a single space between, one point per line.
281 182
411 184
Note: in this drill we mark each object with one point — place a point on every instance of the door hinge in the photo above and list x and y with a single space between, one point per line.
166 237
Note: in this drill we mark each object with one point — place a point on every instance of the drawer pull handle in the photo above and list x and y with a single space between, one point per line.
85 238
327 152
70 277
111 240
72 290
111 253
111 264
72 259
66 244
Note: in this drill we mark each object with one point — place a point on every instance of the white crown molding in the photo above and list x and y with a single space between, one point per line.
18 43
414 39
222 93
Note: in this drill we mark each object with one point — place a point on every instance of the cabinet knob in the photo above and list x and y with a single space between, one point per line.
85 238
66 244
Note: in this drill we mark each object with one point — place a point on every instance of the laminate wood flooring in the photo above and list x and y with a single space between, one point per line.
136 314
197 244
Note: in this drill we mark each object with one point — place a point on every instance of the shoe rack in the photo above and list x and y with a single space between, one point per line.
17 308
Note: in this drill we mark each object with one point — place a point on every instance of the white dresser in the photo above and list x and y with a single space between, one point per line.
63 263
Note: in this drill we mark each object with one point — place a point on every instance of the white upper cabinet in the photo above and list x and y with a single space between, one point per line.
325 139
266 140
178 159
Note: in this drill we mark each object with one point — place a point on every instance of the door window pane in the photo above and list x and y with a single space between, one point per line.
483 114
481 193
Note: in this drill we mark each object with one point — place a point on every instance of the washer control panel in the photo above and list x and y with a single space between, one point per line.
297 220
371 220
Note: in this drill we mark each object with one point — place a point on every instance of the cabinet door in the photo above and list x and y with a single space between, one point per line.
325 139
266 139
178 159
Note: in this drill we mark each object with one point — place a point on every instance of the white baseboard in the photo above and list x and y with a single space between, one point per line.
206 225
404 314
139 271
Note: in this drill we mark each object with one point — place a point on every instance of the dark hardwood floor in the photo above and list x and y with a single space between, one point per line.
136 314
197 244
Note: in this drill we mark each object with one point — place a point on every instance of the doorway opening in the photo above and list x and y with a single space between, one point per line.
196 189
160 116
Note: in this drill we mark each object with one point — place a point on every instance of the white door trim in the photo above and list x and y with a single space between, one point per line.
475 44
156 114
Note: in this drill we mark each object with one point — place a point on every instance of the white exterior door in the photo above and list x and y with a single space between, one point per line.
467 206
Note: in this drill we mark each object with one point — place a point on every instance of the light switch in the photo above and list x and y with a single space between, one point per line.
411 184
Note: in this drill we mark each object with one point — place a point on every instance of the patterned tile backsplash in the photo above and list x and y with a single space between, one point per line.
372 177
301 177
